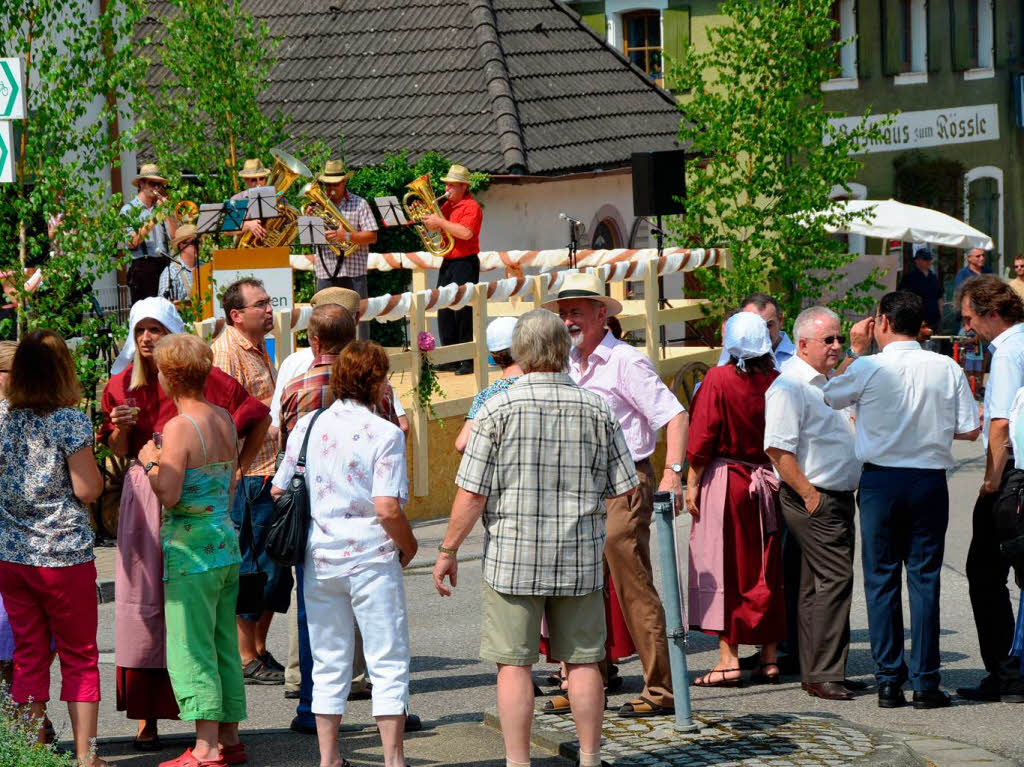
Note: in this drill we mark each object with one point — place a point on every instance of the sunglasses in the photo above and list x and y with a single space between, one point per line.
829 340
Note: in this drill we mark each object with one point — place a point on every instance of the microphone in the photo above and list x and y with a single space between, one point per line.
575 221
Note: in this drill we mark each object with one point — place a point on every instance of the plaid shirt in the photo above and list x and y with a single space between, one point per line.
357 212
546 453
311 391
251 367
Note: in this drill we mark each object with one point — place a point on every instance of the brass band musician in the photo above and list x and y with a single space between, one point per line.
253 174
148 233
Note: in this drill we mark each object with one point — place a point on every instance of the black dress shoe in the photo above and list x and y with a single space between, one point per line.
304 729
931 699
987 691
827 690
291 694
854 685
890 695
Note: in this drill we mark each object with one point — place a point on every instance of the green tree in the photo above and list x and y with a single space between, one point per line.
78 69
755 118
209 61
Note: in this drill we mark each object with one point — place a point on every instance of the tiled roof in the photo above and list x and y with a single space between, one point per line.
503 86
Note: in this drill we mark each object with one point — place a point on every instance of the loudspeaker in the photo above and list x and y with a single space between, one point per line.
658 178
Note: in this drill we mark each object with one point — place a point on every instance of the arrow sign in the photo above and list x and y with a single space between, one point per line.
12 91
6 153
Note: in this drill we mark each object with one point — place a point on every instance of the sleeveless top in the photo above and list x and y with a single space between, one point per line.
197 533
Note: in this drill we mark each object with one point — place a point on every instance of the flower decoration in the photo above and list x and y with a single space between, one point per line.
428 385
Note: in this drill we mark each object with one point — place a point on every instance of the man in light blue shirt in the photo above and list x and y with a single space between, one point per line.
995 313
147 238
767 308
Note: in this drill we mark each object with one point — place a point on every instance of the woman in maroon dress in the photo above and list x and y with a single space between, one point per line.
735 587
136 408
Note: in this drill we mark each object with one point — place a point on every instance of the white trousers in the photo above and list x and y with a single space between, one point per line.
373 598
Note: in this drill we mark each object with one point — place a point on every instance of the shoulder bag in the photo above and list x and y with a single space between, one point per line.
286 540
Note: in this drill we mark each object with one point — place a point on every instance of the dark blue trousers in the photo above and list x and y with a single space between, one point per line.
304 711
903 519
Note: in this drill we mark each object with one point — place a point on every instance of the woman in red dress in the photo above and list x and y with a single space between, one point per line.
735 587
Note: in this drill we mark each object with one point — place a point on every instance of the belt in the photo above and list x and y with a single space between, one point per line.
876 467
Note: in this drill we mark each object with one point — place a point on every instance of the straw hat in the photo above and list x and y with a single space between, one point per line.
340 296
334 171
584 285
253 169
150 173
457 174
184 234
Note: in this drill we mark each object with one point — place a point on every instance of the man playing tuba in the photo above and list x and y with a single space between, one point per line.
333 270
462 217
253 174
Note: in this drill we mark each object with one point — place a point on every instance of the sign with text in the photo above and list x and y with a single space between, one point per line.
6 153
271 265
933 127
12 91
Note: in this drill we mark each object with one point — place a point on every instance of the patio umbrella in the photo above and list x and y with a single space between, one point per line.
892 220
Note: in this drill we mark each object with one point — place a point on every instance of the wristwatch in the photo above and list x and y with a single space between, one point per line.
449 552
149 466
851 354
676 467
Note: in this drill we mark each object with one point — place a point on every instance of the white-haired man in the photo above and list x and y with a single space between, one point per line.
539 487
812 448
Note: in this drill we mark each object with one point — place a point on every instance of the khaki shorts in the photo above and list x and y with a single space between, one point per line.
510 629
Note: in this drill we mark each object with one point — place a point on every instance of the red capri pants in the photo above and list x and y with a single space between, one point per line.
52 601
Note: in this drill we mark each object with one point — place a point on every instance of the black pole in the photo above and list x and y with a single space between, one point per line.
661 286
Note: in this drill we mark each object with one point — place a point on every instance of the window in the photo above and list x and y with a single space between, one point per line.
845 17
641 41
606 235
906 37
905 43
979 41
972 33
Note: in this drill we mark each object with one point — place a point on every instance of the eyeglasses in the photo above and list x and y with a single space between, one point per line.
829 340
259 304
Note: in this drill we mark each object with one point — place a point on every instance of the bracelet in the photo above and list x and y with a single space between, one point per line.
449 552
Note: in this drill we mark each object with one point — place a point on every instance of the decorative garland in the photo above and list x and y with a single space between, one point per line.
428 385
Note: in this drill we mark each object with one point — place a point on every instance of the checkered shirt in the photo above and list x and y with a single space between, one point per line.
357 212
546 453
251 367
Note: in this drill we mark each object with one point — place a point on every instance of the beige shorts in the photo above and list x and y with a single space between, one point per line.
510 629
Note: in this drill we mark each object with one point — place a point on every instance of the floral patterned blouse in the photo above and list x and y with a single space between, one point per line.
197 533
42 522
485 394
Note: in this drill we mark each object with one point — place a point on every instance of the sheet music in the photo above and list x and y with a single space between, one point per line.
262 203
391 212
312 231
210 214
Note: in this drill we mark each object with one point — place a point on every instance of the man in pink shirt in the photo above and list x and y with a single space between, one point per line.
643 405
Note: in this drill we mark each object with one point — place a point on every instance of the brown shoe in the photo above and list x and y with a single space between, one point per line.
827 690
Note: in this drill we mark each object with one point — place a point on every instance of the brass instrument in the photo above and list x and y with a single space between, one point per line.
185 212
320 205
285 227
419 203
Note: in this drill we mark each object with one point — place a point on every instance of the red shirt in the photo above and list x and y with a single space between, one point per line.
467 212
156 408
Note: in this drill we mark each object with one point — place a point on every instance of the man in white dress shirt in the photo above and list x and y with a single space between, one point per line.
992 309
909 404
812 448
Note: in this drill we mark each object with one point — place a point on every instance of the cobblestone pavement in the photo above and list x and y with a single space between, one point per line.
731 740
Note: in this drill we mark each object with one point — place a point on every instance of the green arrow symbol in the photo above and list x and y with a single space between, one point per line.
3 151
14 89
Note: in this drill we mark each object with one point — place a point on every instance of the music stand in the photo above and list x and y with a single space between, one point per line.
391 212
262 204
312 231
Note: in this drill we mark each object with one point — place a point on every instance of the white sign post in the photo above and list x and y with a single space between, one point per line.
6 153
12 90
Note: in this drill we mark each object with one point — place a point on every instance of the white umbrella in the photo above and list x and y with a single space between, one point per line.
892 220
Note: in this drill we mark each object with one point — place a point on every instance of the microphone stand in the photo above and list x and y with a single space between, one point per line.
574 243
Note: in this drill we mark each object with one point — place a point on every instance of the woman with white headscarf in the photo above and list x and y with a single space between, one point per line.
137 408
735 544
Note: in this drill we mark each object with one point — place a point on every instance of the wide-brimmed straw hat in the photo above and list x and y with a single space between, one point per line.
584 285
340 296
334 171
457 174
253 169
184 234
149 172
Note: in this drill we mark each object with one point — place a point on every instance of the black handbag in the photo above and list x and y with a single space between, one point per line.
251 586
286 541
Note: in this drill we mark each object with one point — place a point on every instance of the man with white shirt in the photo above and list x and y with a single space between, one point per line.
909 405
812 448
994 312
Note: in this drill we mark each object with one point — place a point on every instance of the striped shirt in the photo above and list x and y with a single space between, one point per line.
251 367
546 453
357 212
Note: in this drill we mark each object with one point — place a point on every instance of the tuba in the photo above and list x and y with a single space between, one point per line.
420 202
320 205
283 229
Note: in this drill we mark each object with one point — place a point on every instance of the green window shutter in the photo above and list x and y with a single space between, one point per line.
864 47
936 36
592 14
676 23
892 12
959 14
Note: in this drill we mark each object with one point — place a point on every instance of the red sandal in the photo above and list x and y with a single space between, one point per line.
188 759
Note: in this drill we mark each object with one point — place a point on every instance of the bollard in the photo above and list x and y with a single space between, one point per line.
664 514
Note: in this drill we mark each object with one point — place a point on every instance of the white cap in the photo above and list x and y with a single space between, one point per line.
499 333
746 336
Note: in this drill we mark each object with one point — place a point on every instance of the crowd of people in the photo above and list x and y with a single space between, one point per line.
784 440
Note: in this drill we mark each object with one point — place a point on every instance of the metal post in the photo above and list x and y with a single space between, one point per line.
664 514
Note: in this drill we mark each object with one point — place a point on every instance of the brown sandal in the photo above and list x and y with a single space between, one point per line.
641 707
557 704
707 679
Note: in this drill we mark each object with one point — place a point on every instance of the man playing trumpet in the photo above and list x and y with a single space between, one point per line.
333 270
148 236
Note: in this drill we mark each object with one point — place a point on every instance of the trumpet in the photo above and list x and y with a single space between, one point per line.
420 202
320 205
184 212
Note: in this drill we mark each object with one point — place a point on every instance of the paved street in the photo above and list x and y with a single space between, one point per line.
452 689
